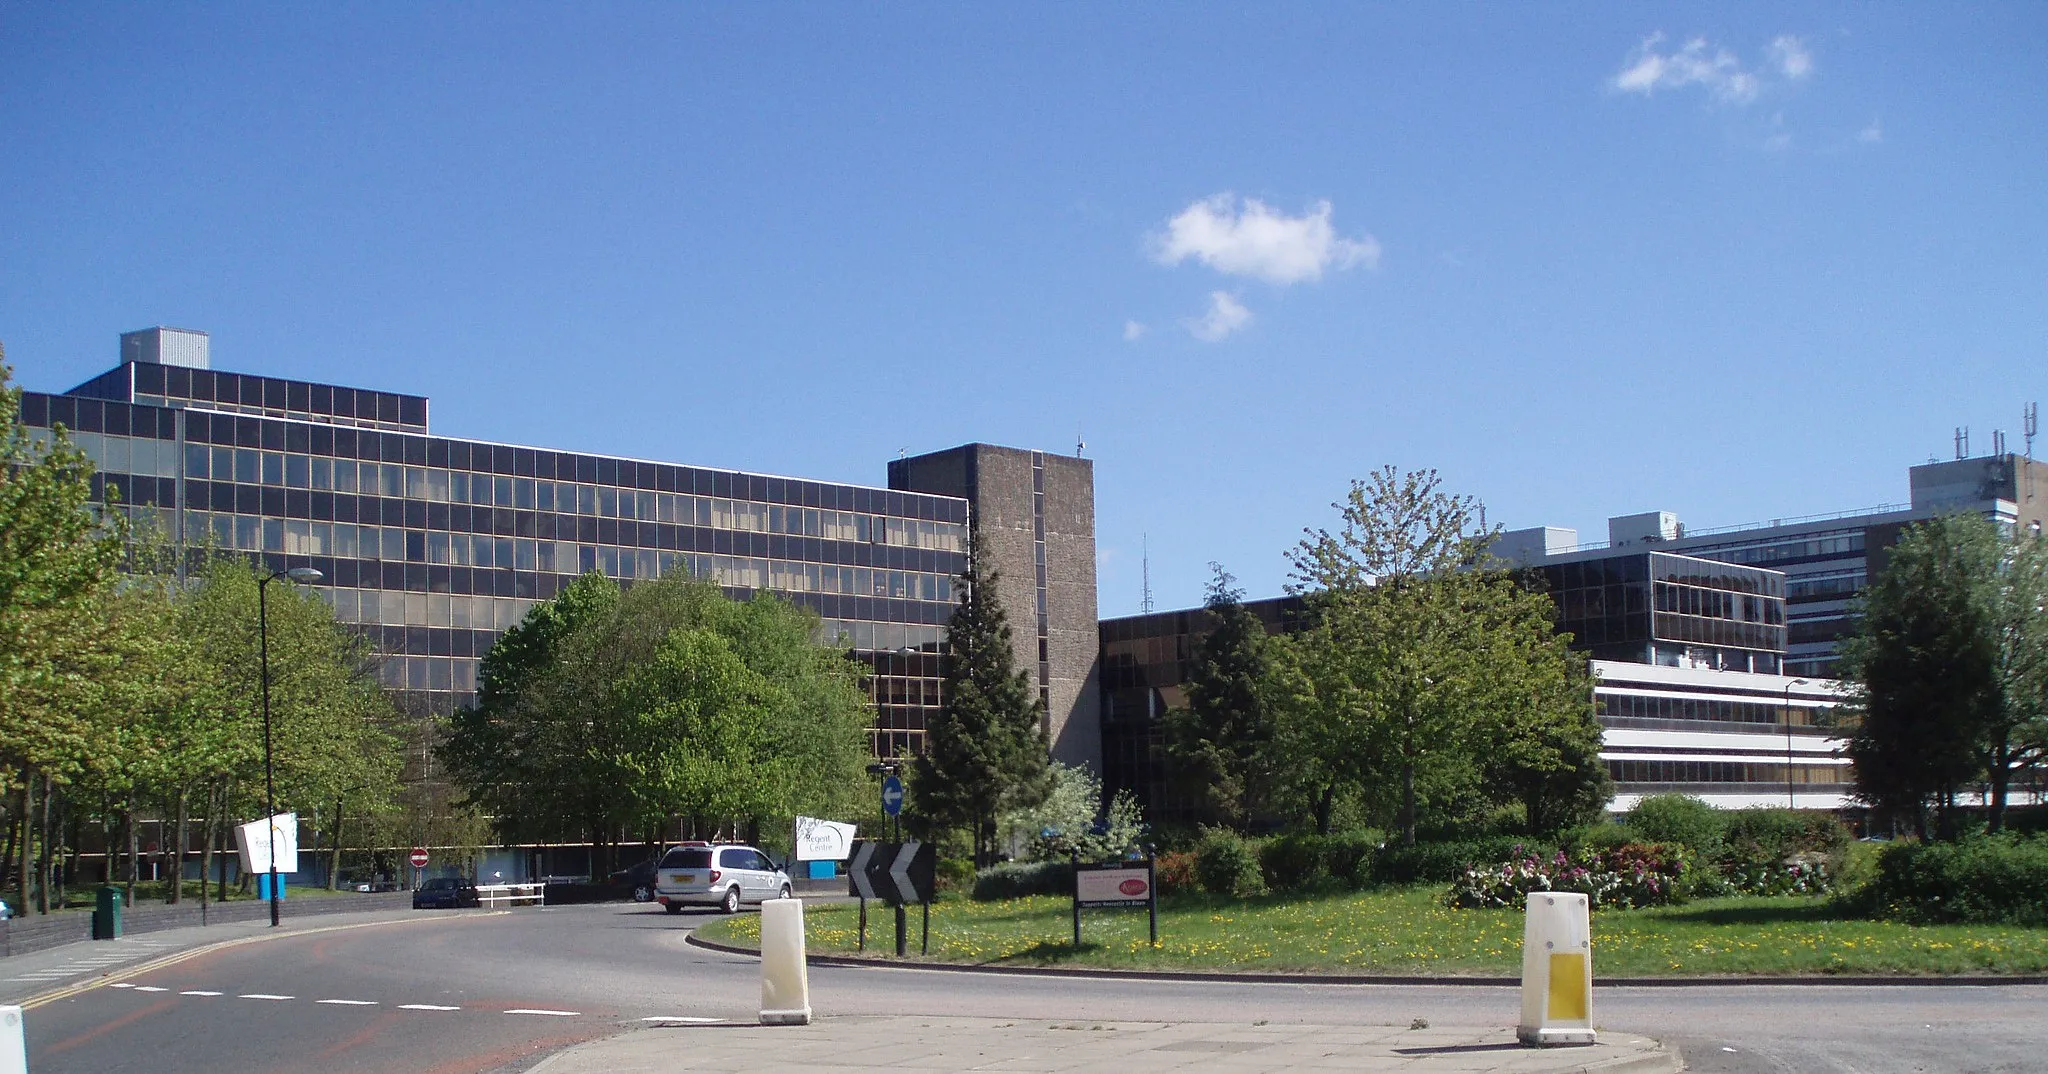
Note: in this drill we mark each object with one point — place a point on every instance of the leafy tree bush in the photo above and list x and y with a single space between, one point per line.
1016 879
1228 864
2000 880
1174 872
1304 861
1681 819
1441 863
954 874
1071 821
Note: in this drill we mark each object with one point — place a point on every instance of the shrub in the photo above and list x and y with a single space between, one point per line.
1294 862
1441 863
1015 879
1632 875
954 874
1603 836
1771 851
1226 864
2000 880
1681 819
1174 872
1348 856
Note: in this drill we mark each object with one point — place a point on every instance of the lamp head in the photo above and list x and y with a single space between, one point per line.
304 574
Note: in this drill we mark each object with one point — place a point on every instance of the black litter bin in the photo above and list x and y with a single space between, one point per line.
106 913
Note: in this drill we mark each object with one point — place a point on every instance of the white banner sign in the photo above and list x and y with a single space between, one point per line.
253 840
822 840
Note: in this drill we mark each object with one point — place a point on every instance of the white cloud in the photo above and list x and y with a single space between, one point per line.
1872 134
1133 330
1226 315
1255 241
1694 64
1789 54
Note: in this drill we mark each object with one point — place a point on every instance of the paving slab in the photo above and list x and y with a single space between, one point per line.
877 1044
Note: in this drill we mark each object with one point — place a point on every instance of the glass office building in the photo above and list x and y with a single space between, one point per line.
434 545
1676 611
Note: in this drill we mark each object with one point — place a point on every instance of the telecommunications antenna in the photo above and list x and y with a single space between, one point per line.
2030 424
1145 573
1962 441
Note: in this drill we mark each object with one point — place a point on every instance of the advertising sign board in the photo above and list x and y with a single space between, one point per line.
1127 887
823 840
252 843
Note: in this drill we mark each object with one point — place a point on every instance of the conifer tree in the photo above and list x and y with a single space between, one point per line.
1218 744
986 753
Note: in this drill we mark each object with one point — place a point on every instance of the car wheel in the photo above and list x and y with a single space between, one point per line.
674 908
731 903
785 891
643 893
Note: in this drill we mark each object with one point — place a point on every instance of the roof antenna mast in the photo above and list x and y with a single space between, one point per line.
1145 569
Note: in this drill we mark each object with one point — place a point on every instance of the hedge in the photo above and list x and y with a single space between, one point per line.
1016 879
1997 880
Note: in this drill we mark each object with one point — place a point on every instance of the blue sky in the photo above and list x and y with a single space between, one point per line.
1734 261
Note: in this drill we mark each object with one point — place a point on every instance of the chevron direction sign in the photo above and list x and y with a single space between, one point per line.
892 872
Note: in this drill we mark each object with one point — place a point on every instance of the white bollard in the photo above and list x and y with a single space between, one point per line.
13 1042
1557 970
785 980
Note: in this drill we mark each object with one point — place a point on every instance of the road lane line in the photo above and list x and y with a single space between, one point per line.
535 1010
261 995
425 1007
150 988
123 984
691 1019
349 1002
194 992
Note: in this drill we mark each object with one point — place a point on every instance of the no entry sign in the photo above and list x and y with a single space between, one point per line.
419 857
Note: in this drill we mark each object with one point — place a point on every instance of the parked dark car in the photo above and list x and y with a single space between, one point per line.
640 878
445 893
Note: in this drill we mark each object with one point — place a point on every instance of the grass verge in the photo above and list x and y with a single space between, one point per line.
1409 931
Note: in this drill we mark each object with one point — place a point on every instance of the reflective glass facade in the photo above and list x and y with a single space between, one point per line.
1656 608
433 545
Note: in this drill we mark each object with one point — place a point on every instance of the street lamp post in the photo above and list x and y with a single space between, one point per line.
1788 741
296 574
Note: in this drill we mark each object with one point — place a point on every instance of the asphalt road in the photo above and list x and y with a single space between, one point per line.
458 993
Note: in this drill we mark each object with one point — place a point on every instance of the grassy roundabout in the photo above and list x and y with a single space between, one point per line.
1410 931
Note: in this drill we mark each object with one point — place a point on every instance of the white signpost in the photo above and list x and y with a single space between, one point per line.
823 840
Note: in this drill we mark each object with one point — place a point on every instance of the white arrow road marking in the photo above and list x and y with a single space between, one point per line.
557 1014
349 1002
192 993
261 995
425 1007
682 1018
900 872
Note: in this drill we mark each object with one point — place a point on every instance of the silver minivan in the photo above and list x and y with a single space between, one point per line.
718 874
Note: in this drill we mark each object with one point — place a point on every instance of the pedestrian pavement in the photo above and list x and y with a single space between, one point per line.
895 1043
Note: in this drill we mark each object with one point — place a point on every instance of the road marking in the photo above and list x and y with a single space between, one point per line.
425 1007
194 992
682 1018
123 984
150 988
557 1014
349 1002
260 995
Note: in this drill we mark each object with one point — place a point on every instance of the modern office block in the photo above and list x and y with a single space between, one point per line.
1686 655
434 545
1036 514
1826 559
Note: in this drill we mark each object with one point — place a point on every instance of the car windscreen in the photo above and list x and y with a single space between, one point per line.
687 858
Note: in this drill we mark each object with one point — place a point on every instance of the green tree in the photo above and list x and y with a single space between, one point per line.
606 713
57 559
1923 669
1429 679
1384 664
1949 667
986 752
1219 745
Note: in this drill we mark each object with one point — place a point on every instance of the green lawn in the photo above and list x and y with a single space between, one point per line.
1410 932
